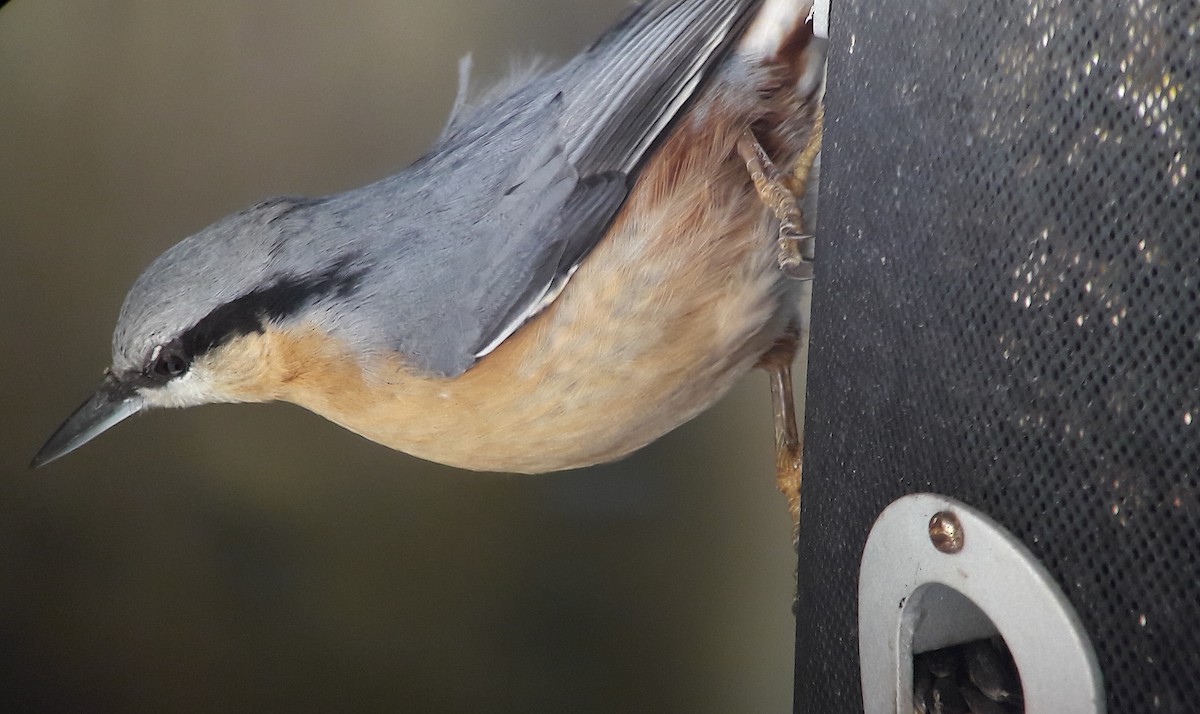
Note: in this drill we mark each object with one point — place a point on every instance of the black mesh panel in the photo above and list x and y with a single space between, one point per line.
1007 311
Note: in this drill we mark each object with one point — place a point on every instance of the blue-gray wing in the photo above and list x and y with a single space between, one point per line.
486 229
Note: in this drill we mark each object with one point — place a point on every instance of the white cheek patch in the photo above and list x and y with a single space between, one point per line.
189 390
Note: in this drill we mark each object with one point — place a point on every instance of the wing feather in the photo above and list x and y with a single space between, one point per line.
617 100
471 241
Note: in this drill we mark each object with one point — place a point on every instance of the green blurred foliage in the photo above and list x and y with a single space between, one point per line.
257 558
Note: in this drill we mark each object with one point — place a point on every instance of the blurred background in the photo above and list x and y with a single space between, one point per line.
257 558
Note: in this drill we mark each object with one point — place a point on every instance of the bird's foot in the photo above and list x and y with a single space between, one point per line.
778 191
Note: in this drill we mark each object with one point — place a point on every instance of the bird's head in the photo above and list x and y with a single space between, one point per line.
192 328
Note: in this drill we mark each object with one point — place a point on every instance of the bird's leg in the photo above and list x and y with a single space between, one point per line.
802 169
789 445
780 190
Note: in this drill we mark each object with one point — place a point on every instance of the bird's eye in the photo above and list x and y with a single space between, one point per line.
170 363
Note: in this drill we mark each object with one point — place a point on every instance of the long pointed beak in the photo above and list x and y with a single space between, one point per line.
113 402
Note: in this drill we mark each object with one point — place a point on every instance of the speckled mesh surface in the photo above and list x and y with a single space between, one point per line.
1007 311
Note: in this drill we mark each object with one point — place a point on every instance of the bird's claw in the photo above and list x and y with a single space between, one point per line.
776 190
796 252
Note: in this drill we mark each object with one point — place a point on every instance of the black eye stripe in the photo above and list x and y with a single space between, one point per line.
248 314
286 296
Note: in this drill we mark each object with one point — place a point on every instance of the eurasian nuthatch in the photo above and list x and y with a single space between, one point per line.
585 260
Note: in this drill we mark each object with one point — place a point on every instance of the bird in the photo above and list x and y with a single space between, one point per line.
586 258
